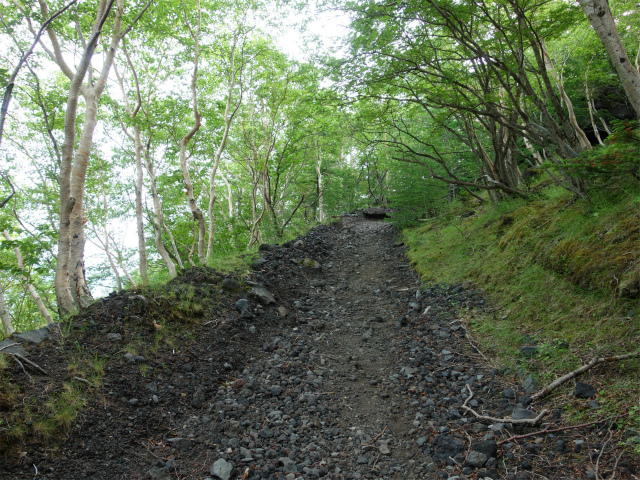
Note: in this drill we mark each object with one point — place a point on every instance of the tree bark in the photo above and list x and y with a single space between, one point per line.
158 217
67 300
599 14
5 316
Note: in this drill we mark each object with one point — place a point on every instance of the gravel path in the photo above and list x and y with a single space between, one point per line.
355 371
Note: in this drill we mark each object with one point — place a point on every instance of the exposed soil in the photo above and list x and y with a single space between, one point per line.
357 371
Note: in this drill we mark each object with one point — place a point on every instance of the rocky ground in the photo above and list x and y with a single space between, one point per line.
335 363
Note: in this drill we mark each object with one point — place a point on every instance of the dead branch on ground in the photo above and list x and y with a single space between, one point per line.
521 421
562 380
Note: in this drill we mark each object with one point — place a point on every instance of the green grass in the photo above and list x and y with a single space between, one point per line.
552 267
238 263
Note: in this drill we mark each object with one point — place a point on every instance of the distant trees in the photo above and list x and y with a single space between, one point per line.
453 77
184 123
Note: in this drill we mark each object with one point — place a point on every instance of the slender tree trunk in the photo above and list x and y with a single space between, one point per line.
28 286
229 195
319 189
142 243
158 217
195 210
174 246
582 137
228 118
5 316
599 14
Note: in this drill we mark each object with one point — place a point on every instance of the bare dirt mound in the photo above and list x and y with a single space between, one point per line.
349 369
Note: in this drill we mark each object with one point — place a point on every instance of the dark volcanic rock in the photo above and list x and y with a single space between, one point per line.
447 446
584 390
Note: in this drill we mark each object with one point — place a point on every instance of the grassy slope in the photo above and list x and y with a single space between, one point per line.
553 268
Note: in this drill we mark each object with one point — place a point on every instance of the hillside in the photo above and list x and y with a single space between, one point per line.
355 368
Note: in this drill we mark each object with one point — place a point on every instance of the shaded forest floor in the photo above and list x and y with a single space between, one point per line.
355 370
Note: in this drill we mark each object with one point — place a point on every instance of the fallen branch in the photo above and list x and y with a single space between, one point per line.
29 362
521 421
554 430
21 366
562 380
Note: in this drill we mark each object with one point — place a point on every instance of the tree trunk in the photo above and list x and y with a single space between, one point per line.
5 316
158 217
228 118
197 213
599 14
67 300
319 189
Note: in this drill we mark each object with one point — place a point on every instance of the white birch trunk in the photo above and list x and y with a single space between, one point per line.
5 316
599 14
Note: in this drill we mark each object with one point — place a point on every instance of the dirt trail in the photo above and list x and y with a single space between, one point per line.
355 371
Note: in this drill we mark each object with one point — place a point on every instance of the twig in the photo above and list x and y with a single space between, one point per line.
375 439
34 365
521 421
604 445
82 380
9 346
596 361
613 473
374 463
546 430
21 366
149 450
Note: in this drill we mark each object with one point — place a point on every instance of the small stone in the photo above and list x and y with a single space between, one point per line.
221 469
114 337
509 393
593 404
130 357
584 390
530 385
384 448
529 351
367 335
521 413
488 447
362 460
244 307
230 285
275 391
134 401
476 459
